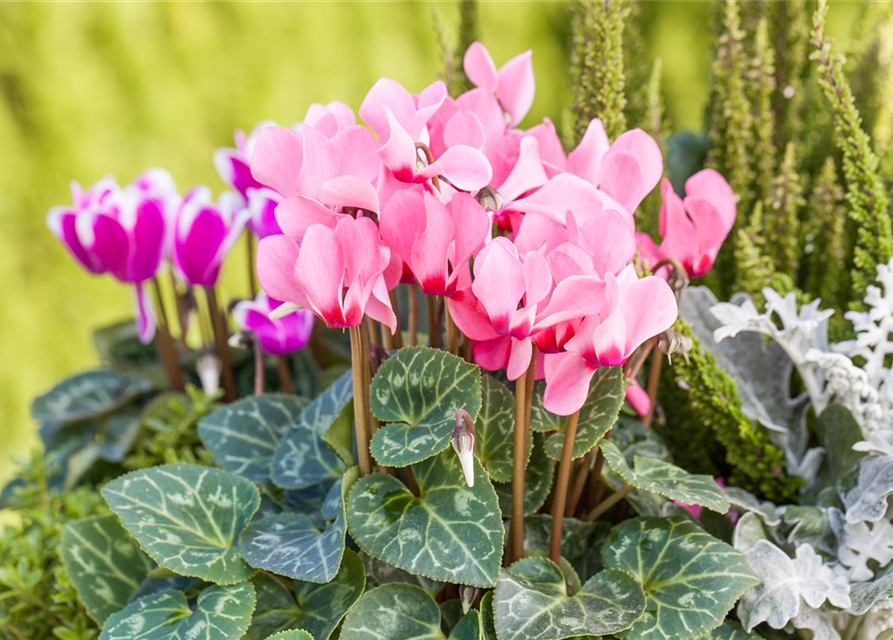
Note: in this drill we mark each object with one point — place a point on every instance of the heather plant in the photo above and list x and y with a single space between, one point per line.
489 381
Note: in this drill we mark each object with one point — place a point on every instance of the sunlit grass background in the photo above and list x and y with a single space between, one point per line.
89 89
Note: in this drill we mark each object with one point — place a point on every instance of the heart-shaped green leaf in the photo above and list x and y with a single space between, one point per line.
87 395
666 479
469 627
243 435
531 602
452 532
293 544
690 578
316 608
598 415
187 518
494 430
104 564
221 613
418 391
393 612
537 480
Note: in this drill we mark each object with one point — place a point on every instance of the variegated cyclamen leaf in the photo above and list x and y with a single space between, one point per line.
488 625
312 451
87 395
221 613
295 634
537 480
598 415
104 564
494 430
316 608
666 479
393 612
867 501
531 602
691 579
243 435
452 532
293 545
418 391
379 572
580 541
187 518
730 631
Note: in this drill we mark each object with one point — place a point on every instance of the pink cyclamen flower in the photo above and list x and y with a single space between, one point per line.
633 311
434 240
513 85
277 336
339 273
204 232
400 120
693 229
120 231
512 299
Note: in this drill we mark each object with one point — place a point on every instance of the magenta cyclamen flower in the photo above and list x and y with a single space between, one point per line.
120 231
204 232
693 229
633 310
277 336
339 273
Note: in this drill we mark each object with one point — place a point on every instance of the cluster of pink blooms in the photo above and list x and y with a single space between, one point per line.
528 246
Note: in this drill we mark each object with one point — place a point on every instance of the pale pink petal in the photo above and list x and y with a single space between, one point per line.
631 168
649 251
321 165
349 191
470 316
565 192
538 231
471 224
294 215
465 168
499 281
276 259
567 382
398 154
515 86
319 272
402 221
429 101
537 278
649 308
492 355
710 187
356 150
277 159
479 67
526 175
586 160
519 358
609 340
387 95
378 307
429 253
550 147
464 128
575 297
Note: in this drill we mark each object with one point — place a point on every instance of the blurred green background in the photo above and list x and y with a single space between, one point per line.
89 89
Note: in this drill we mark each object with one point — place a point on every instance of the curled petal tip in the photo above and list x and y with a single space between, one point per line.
284 309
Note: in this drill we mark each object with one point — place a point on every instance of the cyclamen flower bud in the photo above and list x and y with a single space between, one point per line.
208 367
463 444
467 596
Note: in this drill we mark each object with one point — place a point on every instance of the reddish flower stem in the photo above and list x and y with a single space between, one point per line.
218 324
359 360
284 373
560 498
167 350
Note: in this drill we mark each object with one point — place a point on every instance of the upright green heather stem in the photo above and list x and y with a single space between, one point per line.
218 324
519 462
360 410
559 500
167 351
